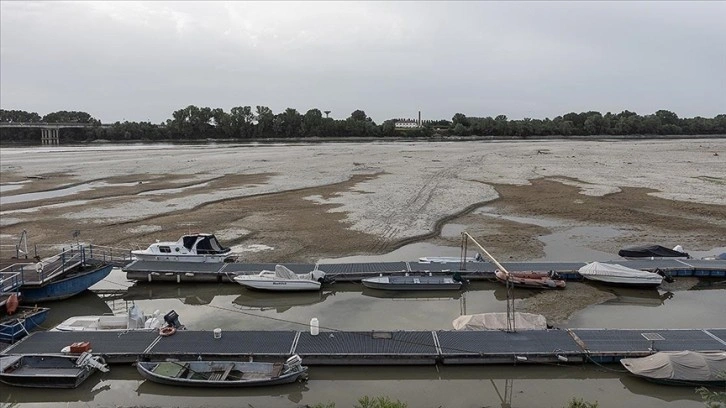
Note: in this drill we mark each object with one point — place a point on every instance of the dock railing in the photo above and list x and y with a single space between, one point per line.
57 264
10 281
110 255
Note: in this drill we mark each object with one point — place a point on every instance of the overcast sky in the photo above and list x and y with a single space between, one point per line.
142 61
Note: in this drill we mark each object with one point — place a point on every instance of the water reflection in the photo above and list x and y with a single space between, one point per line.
663 392
639 297
293 392
85 392
280 301
84 304
189 294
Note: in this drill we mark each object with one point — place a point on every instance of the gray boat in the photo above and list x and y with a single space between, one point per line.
49 371
223 373
426 282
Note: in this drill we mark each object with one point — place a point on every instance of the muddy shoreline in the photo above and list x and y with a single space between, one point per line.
289 201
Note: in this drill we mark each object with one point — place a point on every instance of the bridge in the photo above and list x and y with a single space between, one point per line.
50 132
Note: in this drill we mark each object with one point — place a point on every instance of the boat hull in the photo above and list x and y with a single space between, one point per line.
530 280
264 378
278 285
181 258
65 287
411 283
44 372
17 326
656 280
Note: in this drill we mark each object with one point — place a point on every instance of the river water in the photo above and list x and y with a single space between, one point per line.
349 306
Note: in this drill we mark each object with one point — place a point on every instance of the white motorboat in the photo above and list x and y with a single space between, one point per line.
133 320
282 279
189 248
450 259
621 275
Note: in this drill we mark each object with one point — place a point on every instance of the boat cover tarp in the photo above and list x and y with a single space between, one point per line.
283 272
679 365
648 251
615 270
498 321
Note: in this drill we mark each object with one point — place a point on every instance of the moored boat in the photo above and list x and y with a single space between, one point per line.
450 259
413 282
189 248
653 251
223 373
282 279
621 275
21 322
135 319
77 280
531 280
49 371
688 368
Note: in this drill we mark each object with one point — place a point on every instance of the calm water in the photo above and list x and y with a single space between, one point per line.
349 306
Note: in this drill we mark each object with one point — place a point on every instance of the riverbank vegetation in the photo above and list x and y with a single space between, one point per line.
245 123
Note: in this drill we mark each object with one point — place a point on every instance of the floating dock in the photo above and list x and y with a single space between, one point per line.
383 347
169 271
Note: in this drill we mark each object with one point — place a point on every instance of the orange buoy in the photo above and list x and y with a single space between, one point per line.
167 331
12 304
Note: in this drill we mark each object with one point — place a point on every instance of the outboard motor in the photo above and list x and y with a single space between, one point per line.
172 319
666 275
293 364
318 275
87 359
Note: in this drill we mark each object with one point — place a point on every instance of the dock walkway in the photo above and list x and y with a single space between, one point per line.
384 347
169 271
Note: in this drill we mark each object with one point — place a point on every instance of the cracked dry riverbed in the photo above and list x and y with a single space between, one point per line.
301 203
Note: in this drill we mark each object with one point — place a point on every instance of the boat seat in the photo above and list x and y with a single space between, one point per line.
276 370
219 372
171 369
226 372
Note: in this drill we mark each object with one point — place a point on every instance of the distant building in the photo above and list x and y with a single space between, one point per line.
406 124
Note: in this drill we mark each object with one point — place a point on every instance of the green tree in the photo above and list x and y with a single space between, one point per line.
312 122
265 119
359 115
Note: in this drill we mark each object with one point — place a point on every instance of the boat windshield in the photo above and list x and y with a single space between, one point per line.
209 245
189 241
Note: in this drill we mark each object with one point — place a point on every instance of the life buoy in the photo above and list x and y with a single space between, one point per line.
39 267
12 304
167 331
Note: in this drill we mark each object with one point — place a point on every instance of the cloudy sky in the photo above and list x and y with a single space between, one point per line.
142 61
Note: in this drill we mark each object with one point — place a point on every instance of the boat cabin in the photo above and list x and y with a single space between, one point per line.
188 247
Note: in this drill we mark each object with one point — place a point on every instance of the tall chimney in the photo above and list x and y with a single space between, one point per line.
419 118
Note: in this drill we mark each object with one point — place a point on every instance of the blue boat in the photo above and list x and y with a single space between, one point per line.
71 283
16 326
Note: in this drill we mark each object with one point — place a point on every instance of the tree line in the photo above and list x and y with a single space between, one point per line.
246 123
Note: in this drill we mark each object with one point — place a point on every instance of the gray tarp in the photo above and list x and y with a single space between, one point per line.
498 321
680 365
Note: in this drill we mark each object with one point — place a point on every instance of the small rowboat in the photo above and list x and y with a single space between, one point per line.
532 280
412 282
223 373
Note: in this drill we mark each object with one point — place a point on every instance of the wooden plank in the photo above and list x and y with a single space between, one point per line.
226 372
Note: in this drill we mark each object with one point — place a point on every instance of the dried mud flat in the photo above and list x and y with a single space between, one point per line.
306 202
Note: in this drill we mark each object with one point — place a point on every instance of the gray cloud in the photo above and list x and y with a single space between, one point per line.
141 61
